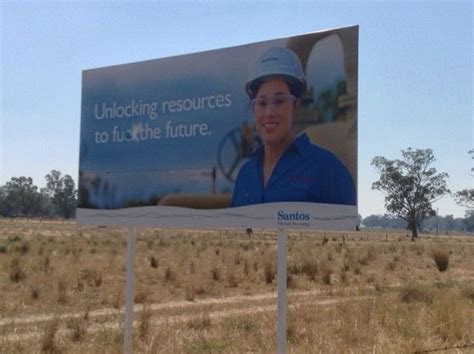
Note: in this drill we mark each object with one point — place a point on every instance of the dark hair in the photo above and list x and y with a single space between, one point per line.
294 86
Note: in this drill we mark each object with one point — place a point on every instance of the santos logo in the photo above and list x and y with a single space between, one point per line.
293 216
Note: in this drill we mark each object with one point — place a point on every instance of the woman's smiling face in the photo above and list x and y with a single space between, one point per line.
273 109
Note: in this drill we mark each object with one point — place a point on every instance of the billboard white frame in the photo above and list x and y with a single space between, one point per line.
138 117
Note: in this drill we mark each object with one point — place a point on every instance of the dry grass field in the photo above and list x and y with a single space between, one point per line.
62 291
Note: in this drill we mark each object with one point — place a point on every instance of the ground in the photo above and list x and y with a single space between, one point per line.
62 290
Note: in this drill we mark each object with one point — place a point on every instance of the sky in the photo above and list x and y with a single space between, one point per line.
415 72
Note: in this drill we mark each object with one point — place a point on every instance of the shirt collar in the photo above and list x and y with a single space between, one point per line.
301 144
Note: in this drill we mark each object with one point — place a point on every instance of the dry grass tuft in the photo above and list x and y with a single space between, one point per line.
269 272
117 298
140 297
23 248
238 258
189 293
291 332
246 270
78 329
290 281
343 277
91 276
449 318
200 290
293 268
232 280
415 292
48 340
80 285
153 262
392 265
243 324
200 323
15 238
45 265
368 257
98 280
310 268
215 273
419 249
144 323
35 292
326 275
354 324
208 346
468 291
169 274
16 272
62 297
441 259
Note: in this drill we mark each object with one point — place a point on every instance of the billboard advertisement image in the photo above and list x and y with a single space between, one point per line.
257 135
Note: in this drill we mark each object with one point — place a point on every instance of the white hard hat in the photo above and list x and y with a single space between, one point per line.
277 61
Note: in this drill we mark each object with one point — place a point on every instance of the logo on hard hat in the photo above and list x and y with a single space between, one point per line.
277 61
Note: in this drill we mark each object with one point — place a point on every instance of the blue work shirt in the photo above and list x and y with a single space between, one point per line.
304 173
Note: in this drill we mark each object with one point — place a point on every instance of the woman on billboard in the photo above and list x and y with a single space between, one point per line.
286 168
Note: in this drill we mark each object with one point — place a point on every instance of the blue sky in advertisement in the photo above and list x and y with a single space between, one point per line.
415 76
161 125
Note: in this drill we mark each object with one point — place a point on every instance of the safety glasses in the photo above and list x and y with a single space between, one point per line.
277 103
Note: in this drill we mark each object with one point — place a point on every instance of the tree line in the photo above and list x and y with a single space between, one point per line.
410 184
20 197
446 223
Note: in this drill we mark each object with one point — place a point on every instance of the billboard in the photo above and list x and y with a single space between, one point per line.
257 135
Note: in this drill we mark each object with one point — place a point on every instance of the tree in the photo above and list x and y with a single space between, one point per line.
465 198
410 185
384 221
47 207
20 197
469 220
444 223
3 201
62 192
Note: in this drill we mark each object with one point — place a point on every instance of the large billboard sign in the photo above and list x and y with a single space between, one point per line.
258 135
